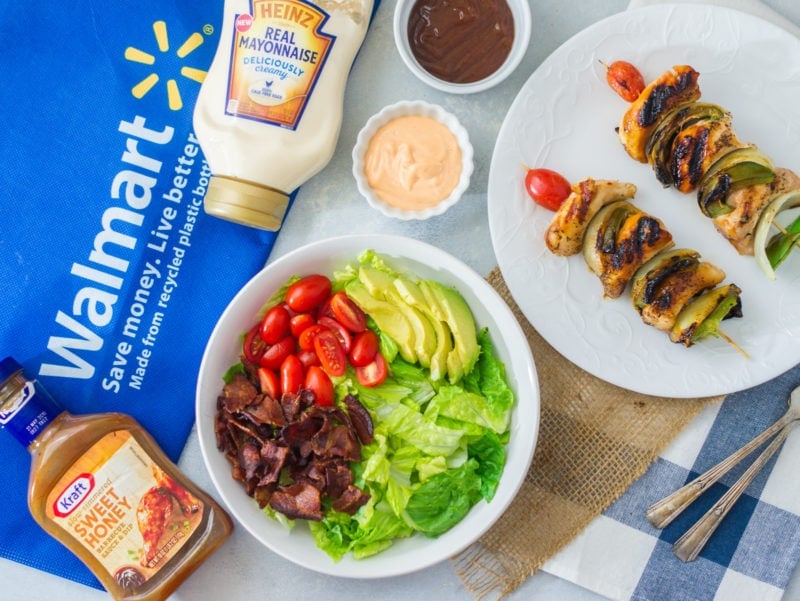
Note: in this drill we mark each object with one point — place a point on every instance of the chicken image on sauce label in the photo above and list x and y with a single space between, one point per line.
123 508
277 55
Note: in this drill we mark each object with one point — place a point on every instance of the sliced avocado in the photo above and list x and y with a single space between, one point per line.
424 334
387 317
458 317
431 300
412 294
376 281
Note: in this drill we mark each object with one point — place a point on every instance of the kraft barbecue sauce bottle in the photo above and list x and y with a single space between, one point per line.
101 486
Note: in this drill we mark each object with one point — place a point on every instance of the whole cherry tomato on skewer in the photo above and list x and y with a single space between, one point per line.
625 79
547 187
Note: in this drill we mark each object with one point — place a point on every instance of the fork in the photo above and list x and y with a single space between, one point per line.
663 512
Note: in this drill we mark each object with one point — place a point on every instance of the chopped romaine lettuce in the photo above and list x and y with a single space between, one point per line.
438 447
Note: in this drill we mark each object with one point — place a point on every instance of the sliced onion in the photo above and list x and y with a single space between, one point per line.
781 202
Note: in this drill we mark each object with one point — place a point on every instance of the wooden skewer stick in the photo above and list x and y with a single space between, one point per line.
733 343
783 231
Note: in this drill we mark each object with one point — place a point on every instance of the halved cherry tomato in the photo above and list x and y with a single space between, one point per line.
373 373
347 313
253 346
547 188
308 293
365 346
276 353
624 79
341 332
318 382
306 340
300 322
275 324
308 358
330 352
324 310
269 382
292 374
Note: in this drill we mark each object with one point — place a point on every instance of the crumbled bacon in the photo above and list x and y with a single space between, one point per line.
291 454
352 498
360 417
298 501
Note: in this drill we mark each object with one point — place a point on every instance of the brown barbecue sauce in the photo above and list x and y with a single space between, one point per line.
461 41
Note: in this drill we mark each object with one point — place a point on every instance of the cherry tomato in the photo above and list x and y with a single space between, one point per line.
347 313
253 346
300 322
624 79
547 188
318 382
270 383
308 293
306 340
330 352
341 332
324 310
292 374
275 324
373 373
365 347
276 353
308 358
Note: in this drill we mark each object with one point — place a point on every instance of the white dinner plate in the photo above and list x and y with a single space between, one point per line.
564 118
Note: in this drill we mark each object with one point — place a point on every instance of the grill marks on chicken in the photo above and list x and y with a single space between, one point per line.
692 145
619 241
624 245
565 234
289 453
675 87
697 147
747 203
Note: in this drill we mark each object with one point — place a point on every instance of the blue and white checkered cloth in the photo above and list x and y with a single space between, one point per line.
753 553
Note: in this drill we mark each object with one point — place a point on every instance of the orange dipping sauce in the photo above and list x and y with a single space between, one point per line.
413 162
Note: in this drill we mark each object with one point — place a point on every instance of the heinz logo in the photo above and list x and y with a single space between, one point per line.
73 495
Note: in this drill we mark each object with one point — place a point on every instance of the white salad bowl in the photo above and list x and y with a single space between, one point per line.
419 260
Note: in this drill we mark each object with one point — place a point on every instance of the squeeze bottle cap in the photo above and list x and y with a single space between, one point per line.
8 367
245 203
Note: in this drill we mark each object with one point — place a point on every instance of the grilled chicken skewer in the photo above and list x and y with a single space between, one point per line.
673 290
691 145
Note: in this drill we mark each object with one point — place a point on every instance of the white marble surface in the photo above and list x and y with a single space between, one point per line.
329 204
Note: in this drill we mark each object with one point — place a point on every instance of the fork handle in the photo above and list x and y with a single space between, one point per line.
661 513
688 546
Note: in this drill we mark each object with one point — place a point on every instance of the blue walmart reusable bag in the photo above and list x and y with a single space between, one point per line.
112 275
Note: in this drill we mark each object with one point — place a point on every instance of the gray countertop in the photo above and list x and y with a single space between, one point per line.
328 205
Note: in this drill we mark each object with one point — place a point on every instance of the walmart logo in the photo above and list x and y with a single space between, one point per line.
145 58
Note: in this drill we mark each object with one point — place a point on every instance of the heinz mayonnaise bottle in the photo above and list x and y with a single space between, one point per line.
270 109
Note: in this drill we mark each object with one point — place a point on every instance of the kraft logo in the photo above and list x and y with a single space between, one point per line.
74 494
142 57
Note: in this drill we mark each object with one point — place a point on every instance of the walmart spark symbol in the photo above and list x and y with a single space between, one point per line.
140 56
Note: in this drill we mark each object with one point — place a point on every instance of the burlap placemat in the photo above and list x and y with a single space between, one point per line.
595 439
